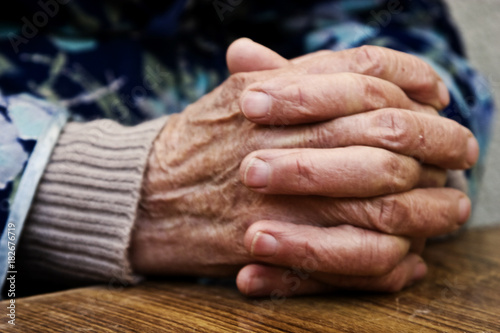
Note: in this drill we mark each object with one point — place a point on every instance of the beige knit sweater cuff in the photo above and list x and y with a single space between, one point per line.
82 217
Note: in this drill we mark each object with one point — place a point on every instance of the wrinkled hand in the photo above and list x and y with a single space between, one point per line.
352 210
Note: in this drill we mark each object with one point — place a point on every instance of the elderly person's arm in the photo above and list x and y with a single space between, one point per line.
198 206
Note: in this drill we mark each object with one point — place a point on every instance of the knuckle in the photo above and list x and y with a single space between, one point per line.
396 128
311 253
323 136
297 100
392 213
290 98
398 173
369 60
305 171
374 92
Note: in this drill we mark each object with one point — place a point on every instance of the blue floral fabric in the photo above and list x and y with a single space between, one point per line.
131 61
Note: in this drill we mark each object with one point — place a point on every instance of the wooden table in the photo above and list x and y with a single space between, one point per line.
460 294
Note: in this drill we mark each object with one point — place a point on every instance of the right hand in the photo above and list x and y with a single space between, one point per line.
195 212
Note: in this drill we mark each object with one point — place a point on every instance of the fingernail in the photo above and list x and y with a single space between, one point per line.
444 96
419 272
263 245
472 151
255 286
464 210
257 173
256 104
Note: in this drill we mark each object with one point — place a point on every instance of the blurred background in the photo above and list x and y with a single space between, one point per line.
479 22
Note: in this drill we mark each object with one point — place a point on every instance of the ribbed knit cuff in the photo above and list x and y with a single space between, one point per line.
82 217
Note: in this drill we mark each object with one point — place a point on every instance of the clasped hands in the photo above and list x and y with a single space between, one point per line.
333 164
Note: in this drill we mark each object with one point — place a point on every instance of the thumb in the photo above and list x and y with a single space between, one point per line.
244 55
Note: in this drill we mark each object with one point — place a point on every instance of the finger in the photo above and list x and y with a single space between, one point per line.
355 171
302 99
416 77
257 280
430 139
261 280
336 250
419 213
244 55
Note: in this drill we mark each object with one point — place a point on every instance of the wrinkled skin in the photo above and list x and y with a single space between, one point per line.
338 170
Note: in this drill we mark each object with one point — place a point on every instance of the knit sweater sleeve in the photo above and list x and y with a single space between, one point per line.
81 220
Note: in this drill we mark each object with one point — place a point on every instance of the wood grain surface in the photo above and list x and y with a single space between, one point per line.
460 294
